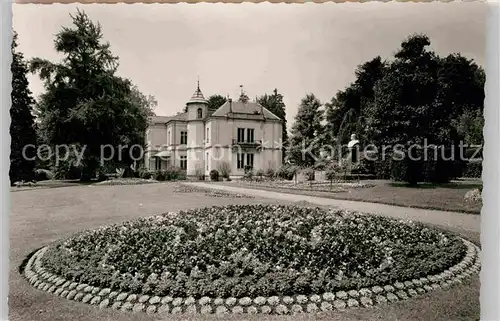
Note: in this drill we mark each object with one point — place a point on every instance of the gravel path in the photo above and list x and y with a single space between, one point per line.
467 222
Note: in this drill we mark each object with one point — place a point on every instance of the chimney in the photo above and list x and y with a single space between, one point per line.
230 105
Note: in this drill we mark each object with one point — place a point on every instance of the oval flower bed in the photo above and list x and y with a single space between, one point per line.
252 258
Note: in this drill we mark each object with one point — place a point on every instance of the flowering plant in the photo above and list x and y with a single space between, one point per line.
253 250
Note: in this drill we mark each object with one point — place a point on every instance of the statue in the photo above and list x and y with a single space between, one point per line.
353 141
353 150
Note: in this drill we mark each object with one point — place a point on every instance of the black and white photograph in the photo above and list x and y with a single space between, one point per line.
217 161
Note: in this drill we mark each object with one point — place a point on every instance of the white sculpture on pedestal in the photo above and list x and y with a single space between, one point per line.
353 149
353 141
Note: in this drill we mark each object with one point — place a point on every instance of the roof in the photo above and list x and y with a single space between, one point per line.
236 108
166 119
159 119
197 96
182 116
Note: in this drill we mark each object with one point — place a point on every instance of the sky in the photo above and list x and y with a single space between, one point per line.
296 48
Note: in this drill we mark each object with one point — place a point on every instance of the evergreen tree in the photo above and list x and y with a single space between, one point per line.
22 130
307 131
274 103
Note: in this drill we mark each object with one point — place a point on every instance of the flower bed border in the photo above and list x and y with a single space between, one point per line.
210 192
106 298
335 189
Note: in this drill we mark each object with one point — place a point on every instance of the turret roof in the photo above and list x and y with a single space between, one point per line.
197 96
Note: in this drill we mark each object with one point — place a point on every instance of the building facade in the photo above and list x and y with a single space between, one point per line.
236 135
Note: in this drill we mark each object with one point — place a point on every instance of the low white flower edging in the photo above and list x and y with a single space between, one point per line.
105 297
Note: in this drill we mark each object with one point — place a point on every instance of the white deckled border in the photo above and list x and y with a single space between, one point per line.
38 276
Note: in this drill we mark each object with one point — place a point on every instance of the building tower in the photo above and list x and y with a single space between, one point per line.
197 112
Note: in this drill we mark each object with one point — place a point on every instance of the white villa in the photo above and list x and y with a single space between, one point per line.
200 140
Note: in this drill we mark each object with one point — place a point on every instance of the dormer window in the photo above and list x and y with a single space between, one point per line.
200 113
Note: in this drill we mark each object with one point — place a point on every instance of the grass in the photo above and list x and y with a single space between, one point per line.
41 216
444 197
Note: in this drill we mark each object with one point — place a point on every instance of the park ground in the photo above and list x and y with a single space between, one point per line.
41 216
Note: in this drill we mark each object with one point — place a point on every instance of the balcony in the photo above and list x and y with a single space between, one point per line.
257 144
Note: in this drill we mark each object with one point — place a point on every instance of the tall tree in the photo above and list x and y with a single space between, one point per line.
346 112
274 103
85 103
215 101
418 99
148 102
306 132
22 130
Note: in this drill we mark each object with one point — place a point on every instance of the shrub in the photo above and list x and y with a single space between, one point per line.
287 172
224 169
248 173
320 165
473 170
364 166
214 175
331 171
259 173
159 175
120 172
406 171
174 173
101 176
67 170
43 175
145 174
200 175
270 173
308 173
382 168
425 168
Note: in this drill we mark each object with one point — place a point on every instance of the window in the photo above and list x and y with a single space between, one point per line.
250 136
200 113
240 160
240 164
207 162
241 135
184 162
168 137
184 138
250 160
208 135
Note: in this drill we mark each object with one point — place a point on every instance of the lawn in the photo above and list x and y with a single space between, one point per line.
41 216
445 197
